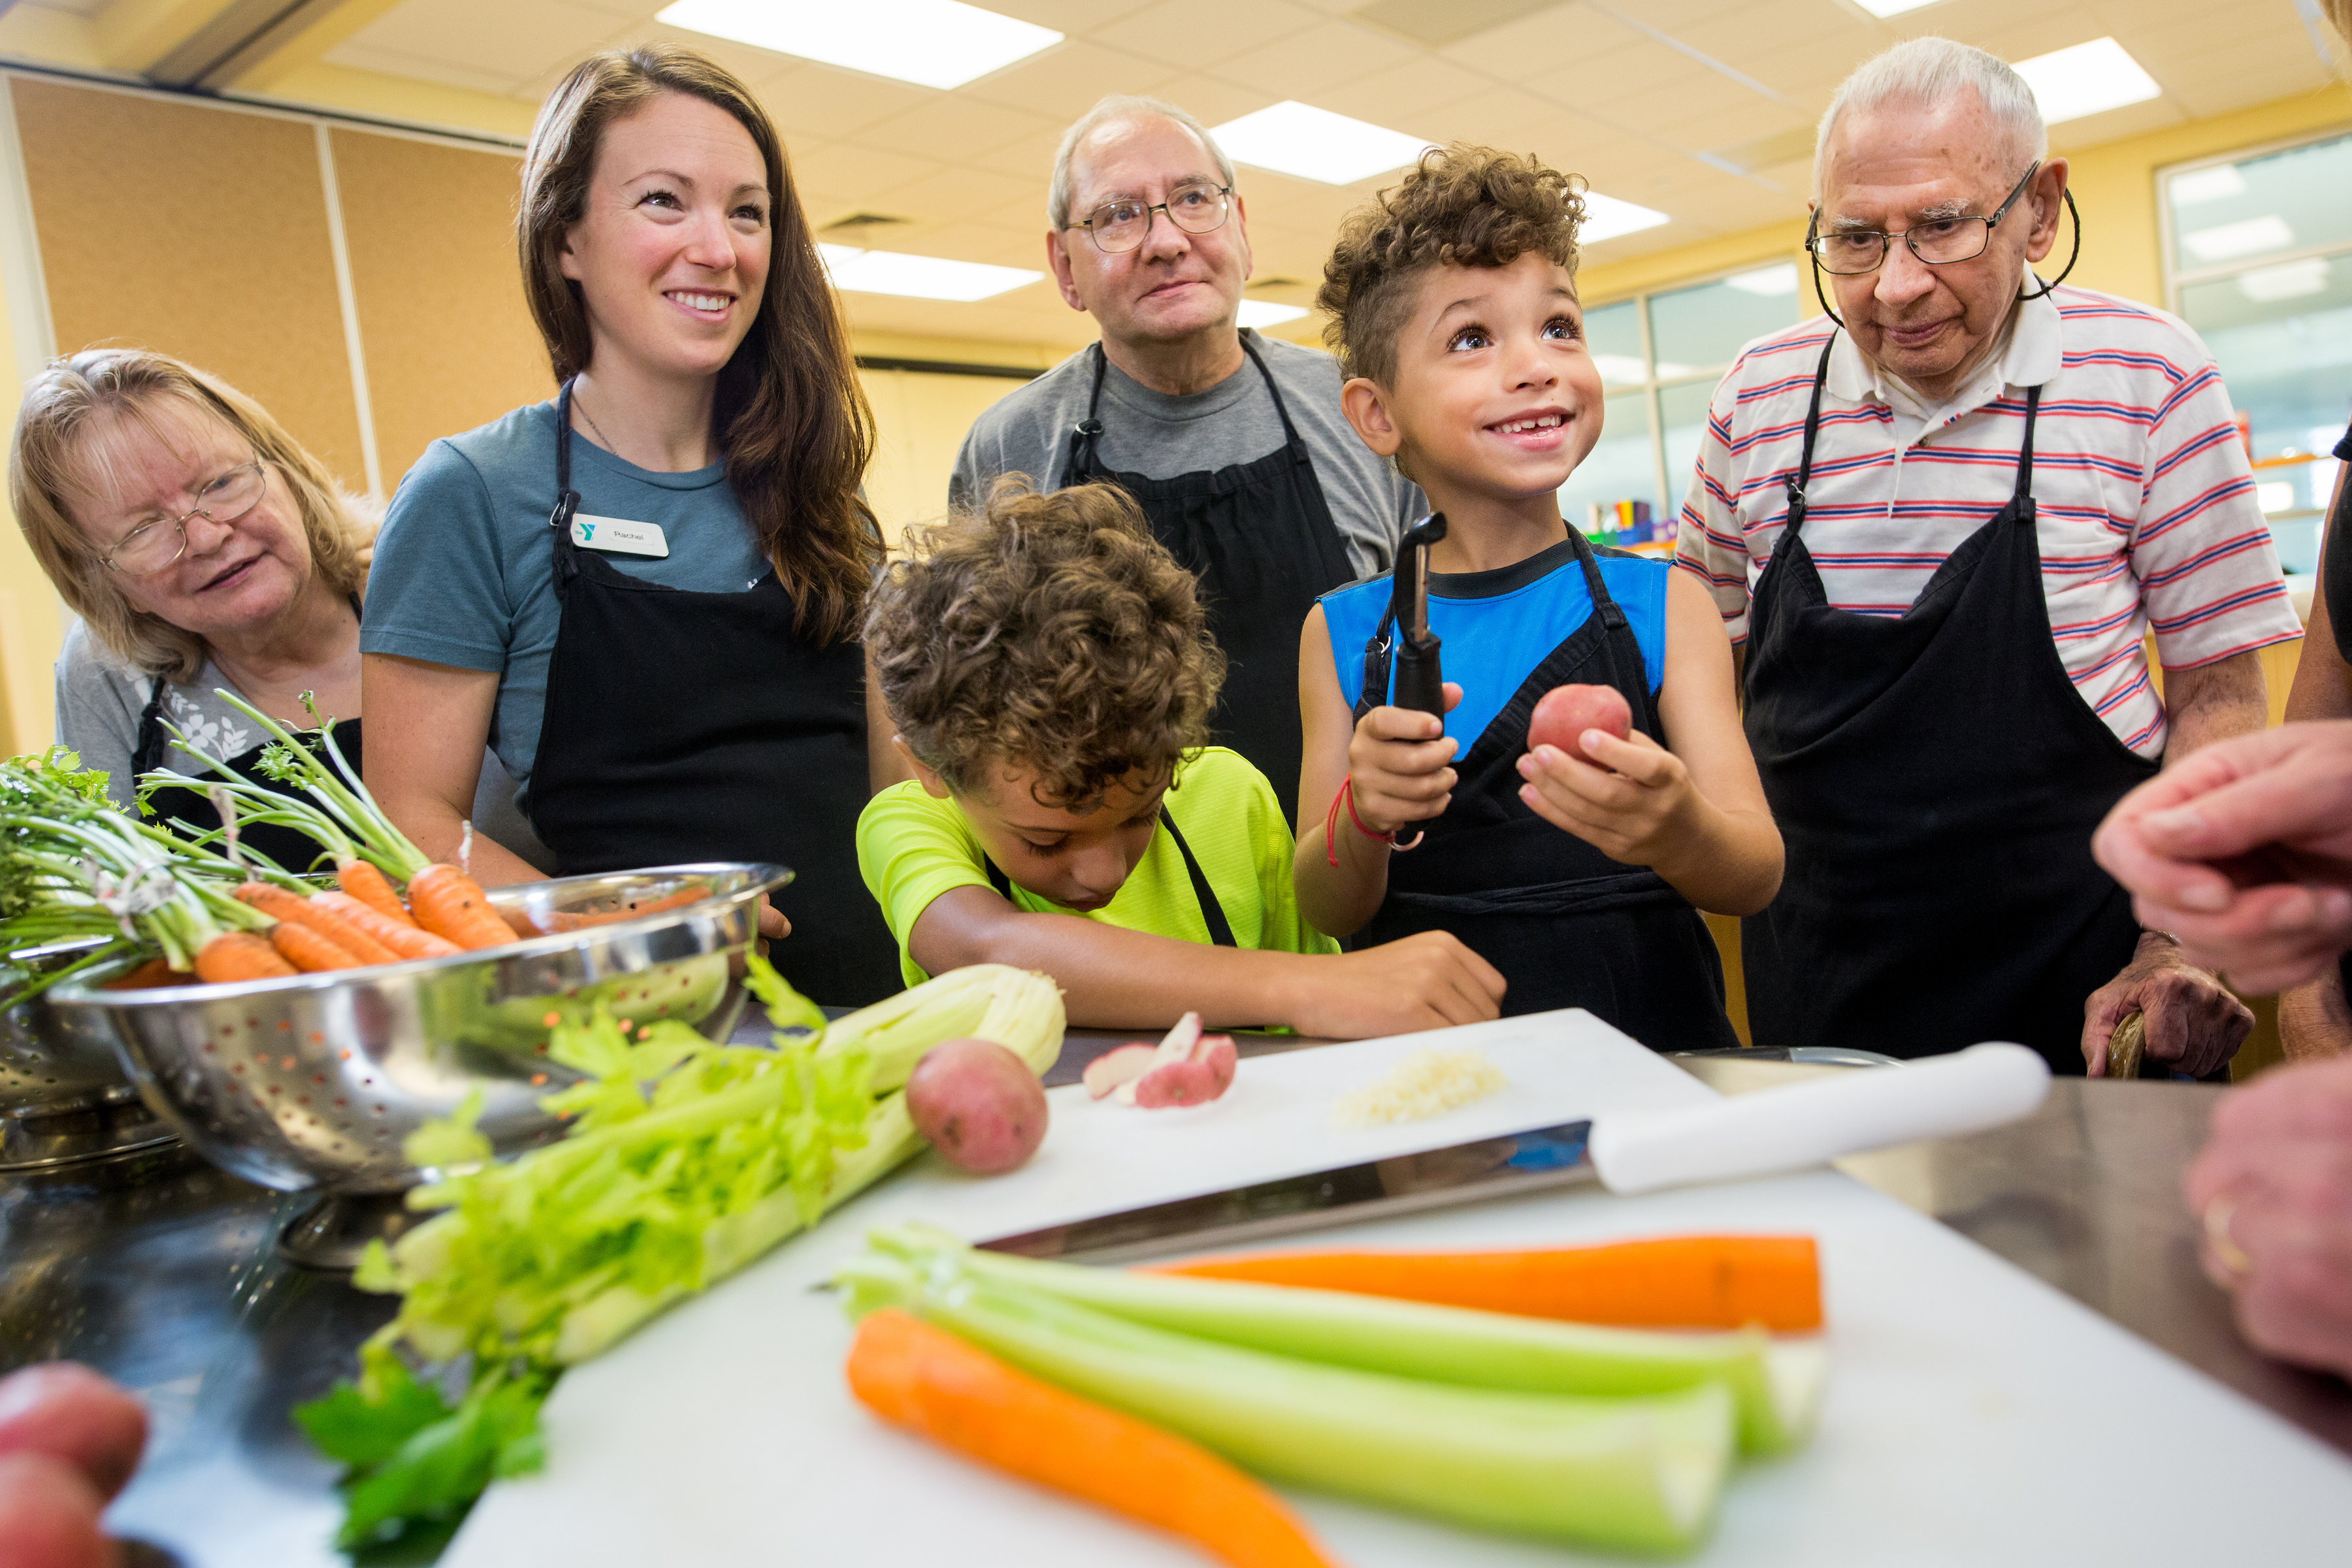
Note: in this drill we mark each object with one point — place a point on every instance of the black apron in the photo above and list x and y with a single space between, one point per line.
190 813
1566 926
1212 913
1260 538
1936 778
688 726
2336 587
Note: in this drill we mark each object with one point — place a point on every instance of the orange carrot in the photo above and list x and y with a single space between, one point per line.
308 949
405 941
239 955
294 910
933 1383
1679 1281
447 902
362 881
154 972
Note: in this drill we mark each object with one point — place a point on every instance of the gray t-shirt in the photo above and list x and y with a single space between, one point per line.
100 702
465 569
1159 436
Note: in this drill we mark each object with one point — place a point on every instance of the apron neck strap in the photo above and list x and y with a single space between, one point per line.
149 755
1212 913
567 500
1281 409
1813 430
1088 432
2025 453
1604 604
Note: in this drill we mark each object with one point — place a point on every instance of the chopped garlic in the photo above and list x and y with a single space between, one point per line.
1426 1083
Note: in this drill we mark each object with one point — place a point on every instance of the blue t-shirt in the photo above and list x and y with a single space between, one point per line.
465 569
1498 626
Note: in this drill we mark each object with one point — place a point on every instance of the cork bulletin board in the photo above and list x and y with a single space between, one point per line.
202 233
448 341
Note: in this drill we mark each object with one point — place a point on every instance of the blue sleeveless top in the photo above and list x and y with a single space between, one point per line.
1498 626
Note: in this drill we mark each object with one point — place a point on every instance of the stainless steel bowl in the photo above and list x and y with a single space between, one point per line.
312 1082
50 1061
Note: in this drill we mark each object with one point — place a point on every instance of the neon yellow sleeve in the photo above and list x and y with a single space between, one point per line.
910 849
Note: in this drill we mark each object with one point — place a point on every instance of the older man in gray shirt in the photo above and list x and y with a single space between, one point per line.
1232 443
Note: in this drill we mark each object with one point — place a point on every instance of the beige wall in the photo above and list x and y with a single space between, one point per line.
920 419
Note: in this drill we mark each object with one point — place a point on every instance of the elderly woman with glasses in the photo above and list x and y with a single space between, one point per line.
204 550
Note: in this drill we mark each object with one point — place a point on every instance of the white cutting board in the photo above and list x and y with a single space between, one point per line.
1976 1415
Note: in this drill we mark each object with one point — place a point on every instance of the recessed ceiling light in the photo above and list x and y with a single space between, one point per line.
2287 280
1606 218
2085 80
917 277
1768 281
2248 236
1266 313
1892 8
2217 184
931 43
1293 138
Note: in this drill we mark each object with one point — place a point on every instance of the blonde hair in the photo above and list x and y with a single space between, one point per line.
48 466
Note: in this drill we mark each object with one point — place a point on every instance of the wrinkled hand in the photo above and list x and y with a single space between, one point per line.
2274 1187
2244 851
1425 981
2194 1024
1628 809
1398 760
68 1441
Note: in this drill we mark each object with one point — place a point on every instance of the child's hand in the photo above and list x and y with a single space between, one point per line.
1398 760
1425 981
1629 814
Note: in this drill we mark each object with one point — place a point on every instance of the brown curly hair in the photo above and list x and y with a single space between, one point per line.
1473 206
1047 632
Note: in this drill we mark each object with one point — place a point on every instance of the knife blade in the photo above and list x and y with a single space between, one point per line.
1774 1129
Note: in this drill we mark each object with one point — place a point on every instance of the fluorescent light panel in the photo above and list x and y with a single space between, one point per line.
931 43
859 271
1294 138
1606 218
1262 313
2247 236
2089 79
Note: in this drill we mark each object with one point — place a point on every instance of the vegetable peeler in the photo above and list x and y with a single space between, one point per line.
1419 683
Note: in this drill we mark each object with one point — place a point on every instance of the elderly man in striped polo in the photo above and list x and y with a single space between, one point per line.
1940 527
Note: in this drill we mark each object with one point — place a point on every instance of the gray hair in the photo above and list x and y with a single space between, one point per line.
1933 72
1121 106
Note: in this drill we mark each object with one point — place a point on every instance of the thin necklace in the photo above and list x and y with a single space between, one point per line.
607 440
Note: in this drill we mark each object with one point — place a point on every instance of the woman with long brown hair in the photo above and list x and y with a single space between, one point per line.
645 592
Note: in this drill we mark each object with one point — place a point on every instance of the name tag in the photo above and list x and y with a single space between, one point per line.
618 534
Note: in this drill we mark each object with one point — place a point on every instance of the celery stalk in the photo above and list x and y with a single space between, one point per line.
1639 1474
1776 1387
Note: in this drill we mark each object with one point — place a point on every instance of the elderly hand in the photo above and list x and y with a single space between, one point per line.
2274 1188
2194 1025
2244 851
68 1441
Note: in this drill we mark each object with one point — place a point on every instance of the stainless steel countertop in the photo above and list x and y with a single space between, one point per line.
168 1283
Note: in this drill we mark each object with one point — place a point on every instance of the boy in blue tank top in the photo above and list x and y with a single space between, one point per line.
1453 309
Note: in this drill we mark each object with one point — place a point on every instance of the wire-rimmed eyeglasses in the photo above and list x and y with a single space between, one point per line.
152 546
1197 207
1939 242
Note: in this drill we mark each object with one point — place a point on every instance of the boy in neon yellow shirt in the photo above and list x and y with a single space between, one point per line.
1049 672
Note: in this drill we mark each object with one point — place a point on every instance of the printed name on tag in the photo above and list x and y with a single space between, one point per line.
618 534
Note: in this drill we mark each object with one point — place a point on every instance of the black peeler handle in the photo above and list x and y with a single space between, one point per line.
1420 682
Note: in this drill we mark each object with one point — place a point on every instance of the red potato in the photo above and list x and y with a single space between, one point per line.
979 1104
1566 712
72 1414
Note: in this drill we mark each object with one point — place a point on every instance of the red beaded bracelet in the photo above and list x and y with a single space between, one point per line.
1347 797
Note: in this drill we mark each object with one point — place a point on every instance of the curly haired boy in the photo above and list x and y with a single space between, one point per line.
1048 669
1453 309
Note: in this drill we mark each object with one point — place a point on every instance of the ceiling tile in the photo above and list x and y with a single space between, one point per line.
1066 79
1401 94
842 166
1562 38
1211 102
1071 16
506 44
1303 63
952 195
1199 32
1483 116
996 241
954 127
752 66
819 101
1029 157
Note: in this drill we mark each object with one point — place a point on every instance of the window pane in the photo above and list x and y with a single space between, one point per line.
1622 466
2228 212
2283 337
1613 334
1702 329
1682 416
